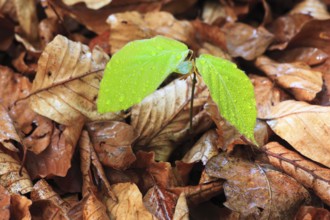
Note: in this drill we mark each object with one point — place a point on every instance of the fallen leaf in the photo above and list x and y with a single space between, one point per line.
89 3
315 8
160 202
93 208
66 84
299 78
4 203
181 211
216 13
162 118
306 172
207 48
128 26
129 205
10 176
20 207
7 35
47 210
305 127
310 212
245 41
112 142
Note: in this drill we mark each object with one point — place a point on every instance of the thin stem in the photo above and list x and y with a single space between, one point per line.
192 102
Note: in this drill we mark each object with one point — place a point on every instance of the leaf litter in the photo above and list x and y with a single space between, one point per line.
61 159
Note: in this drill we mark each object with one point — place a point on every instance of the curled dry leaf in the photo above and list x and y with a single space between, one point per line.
160 202
309 174
20 207
93 208
266 93
4 203
204 149
112 142
10 177
216 13
89 3
8 135
67 81
162 118
306 127
315 8
245 41
310 212
181 211
299 78
128 26
129 205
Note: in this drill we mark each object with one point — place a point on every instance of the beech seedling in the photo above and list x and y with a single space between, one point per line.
141 66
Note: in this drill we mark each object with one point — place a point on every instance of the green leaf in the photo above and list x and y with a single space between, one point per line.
137 70
232 91
184 67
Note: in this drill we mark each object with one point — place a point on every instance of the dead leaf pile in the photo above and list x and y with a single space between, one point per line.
61 159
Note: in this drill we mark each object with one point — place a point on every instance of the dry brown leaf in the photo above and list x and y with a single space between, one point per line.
207 48
4 203
20 207
112 142
204 149
312 213
102 41
55 160
129 205
8 135
181 211
7 7
61 89
47 210
93 208
10 177
266 93
160 202
257 192
216 13
48 28
89 3
128 26
309 174
23 66
305 127
299 78
315 8
178 7
245 41
162 118
7 33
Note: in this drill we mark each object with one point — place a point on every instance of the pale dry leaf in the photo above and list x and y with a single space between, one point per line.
303 82
204 149
129 205
61 89
266 94
8 134
181 211
4 203
305 127
93 208
112 142
309 174
20 207
315 8
245 41
89 3
10 177
128 26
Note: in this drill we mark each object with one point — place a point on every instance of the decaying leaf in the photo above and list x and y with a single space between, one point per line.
20 207
309 174
4 203
129 26
129 205
162 118
10 177
67 81
89 3
305 127
112 142
299 78
93 208
245 41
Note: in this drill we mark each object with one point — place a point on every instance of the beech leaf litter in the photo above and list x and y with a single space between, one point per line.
165 157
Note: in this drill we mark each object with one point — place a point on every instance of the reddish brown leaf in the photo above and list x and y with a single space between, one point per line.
4 203
309 174
47 210
312 213
112 142
19 207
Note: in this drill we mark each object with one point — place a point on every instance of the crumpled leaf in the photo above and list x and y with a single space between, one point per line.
129 205
204 149
181 211
307 173
162 118
10 177
299 78
310 212
112 142
305 127
254 191
61 89
246 41
4 203
315 8
215 13
128 26
160 202
93 208
89 3
20 207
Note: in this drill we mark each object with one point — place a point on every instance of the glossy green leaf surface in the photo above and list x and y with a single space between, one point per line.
137 70
231 90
